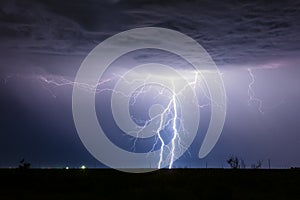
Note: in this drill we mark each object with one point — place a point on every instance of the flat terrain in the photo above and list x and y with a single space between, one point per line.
177 184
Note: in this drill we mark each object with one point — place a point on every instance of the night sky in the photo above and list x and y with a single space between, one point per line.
255 44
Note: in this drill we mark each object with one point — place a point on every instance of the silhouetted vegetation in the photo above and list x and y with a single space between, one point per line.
239 163
257 165
295 168
163 184
243 164
24 165
233 162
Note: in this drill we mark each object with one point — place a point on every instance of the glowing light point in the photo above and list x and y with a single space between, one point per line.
83 167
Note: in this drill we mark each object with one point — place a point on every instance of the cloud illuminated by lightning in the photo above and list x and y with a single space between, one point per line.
168 117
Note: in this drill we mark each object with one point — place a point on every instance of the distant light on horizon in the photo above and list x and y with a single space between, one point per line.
83 167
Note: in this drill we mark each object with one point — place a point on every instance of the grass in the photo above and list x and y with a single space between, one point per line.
175 183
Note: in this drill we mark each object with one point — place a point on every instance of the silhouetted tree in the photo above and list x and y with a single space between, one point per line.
243 164
234 162
257 165
24 165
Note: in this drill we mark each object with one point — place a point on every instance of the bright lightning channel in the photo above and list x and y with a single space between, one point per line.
171 108
251 93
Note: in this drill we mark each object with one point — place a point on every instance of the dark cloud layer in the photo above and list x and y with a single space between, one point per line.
232 31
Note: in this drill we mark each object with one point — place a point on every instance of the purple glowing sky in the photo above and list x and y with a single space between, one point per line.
48 40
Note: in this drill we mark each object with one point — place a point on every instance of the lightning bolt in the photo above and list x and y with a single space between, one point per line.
172 106
164 122
251 93
175 133
167 118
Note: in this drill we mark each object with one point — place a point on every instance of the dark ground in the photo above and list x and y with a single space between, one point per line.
176 184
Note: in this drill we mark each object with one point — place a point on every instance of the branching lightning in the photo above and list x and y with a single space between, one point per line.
172 106
251 93
169 117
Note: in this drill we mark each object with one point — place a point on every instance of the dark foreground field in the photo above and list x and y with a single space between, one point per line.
177 184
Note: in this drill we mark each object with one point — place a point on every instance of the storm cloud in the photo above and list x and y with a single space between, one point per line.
233 32
43 43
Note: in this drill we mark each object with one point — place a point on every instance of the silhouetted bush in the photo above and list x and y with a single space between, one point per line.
234 162
243 164
24 165
257 165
